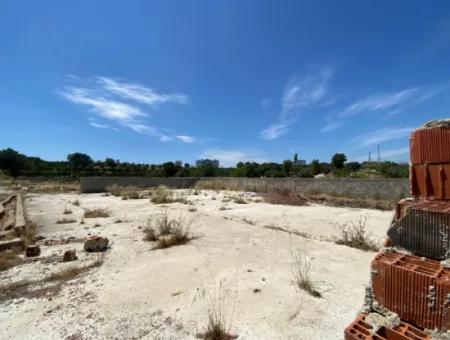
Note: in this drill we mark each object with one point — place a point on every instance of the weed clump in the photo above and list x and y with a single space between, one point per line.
284 196
65 221
168 231
97 212
354 235
301 270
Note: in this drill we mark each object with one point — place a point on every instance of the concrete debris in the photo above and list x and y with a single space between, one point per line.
434 124
96 244
70 255
377 321
33 251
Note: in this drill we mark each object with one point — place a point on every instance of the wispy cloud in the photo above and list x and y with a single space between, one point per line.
94 123
186 139
116 102
330 127
140 93
381 135
231 157
298 94
379 102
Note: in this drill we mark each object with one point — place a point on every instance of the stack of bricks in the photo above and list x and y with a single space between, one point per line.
409 293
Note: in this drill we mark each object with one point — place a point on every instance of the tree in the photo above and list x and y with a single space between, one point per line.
295 158
353 166
169 169
315 167
338 160
287 166
79 161
12 162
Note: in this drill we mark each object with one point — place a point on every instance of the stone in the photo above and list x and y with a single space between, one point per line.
32 251
70 255
96 244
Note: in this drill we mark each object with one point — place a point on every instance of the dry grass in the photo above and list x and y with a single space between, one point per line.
354 235
217 328
10 258
353 202
65 221
39 288
301 271
248 221
126 192
76 203
192 209
95 213
284 196
162 195
67 211
285 230
168 231
239 200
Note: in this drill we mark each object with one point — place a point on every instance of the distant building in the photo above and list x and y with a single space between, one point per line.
299 162
207 162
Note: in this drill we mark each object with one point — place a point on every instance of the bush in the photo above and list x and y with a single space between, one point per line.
162 195
95 213
168 231
354 235
284 196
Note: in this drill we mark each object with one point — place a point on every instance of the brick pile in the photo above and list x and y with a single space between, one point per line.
409 293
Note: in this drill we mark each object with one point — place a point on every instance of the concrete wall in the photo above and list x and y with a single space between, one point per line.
385 188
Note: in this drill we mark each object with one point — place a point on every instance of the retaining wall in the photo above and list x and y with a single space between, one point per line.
384 188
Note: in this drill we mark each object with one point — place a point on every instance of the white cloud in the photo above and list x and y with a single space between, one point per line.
274 131
379 102
186 139
231 157
298 95
382 135
140 93
107 108
330 127
107 101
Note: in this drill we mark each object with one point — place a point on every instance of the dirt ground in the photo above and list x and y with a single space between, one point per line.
239 263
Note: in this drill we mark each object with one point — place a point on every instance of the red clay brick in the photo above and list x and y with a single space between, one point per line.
360 330
430 146
422 227
415 288
430 181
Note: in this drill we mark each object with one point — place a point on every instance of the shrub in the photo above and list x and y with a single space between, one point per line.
284 196
239 200
301 270
168 231
354 235
162 195
97 212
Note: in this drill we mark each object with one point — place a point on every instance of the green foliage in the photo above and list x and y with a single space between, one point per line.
78 164
338 160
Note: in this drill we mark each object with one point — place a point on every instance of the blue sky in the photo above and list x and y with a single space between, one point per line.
152 81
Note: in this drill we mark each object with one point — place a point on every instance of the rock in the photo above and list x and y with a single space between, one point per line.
32 251
96 244
70 255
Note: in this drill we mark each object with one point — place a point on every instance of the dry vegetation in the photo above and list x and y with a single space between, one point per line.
67 211
168 231
66 220
39 288
354 235
10 258
127 192
284 196
95 213
301 270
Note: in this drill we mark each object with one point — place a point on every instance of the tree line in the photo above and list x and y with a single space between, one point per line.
15 164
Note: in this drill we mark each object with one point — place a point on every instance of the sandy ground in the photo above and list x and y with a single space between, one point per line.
235 263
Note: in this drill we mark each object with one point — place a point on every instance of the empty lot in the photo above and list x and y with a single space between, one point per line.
240 261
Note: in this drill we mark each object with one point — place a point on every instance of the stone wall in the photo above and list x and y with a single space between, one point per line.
384 188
